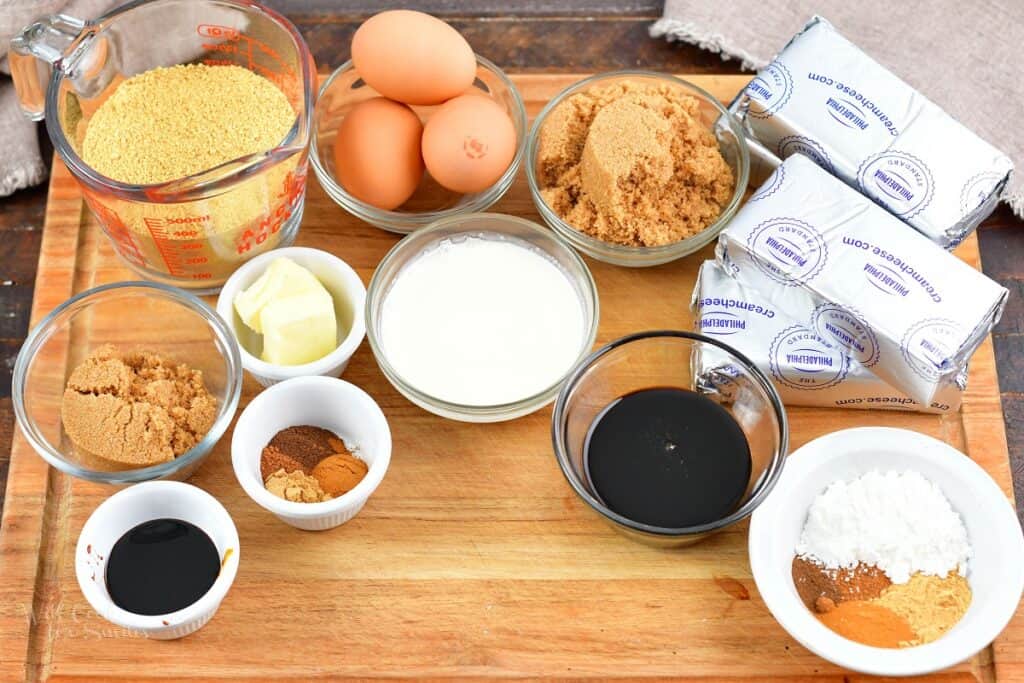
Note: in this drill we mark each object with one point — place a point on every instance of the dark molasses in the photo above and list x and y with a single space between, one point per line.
668 457
161 566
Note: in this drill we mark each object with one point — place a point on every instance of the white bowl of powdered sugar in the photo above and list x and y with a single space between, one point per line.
481 317
919 551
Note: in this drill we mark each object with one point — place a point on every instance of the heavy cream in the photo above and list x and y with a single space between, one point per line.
482 320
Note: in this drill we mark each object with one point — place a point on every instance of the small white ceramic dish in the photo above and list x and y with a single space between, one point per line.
996 571
346 289
326 402
127 509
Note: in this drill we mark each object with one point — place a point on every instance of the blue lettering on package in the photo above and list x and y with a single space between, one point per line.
788 250
770 90
770 186
798 144
885 279
800 359
900 182
721 323
848 330
891 273
929 347
851 108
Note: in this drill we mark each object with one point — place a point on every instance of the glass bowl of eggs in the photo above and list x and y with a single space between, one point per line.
402 166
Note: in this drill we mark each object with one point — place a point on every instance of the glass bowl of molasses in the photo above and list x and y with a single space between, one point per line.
670 436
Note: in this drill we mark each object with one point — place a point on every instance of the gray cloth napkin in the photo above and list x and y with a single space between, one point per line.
20 162
966 57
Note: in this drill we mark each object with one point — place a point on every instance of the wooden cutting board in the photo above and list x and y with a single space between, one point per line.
473 559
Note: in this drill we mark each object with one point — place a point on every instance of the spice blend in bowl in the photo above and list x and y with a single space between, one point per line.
298 427
307 464
921 490
882 560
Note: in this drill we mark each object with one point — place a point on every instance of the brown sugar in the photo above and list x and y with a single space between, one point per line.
821 589
135 409
633 164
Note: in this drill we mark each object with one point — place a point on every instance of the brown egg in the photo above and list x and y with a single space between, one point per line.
377 153
413 57
468 143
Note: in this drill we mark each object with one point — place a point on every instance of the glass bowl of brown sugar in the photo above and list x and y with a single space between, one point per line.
127 382
636 168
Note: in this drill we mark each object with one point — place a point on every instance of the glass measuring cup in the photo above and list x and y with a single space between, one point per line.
194 231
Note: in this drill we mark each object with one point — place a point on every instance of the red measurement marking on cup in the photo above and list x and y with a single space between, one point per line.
115 228
237 48
176 241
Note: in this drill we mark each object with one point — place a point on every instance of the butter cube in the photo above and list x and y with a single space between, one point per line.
299 329
282 278
293 311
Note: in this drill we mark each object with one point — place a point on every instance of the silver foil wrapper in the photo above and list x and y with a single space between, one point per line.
807 369
900 305
825 98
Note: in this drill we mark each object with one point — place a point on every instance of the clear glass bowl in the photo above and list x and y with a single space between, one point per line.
344 89
731 142
508 228
668 358
129 315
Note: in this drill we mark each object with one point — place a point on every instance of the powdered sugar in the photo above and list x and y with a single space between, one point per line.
897 521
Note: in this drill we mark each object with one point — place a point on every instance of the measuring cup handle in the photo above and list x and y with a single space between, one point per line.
36 52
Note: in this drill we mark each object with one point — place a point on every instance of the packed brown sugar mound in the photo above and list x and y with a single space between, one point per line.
135 409
633 164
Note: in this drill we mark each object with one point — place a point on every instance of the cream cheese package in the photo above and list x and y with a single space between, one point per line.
825 98
901 306
807 369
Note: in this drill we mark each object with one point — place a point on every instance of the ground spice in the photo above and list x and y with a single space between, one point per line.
296 487
135 409
339 473
315 453
169 123
297 448
869 623
633 164
930 604
822 589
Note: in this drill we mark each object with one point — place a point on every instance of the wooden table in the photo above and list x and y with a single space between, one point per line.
539 36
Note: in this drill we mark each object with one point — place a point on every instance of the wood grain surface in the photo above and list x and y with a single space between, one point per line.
533 36
473 559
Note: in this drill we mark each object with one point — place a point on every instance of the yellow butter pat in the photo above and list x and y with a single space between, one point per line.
293 311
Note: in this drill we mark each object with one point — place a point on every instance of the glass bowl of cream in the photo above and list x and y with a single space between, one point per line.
481 317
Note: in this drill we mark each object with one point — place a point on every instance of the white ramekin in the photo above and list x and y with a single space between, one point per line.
127 509
334 405
346 288
995 572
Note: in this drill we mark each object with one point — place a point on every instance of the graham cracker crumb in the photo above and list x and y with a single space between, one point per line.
632 163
